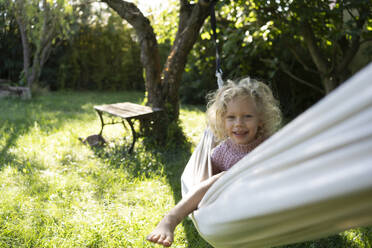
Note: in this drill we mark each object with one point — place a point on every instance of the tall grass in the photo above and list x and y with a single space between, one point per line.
57 192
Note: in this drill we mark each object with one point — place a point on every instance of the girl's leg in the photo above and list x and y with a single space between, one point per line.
163 232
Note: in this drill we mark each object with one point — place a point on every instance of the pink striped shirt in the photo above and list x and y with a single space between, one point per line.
228 153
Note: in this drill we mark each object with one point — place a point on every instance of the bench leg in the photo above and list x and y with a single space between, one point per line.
134 135
102 123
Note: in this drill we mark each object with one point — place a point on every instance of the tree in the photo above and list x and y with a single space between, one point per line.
321 36
10 47
271 48
40 23
162 84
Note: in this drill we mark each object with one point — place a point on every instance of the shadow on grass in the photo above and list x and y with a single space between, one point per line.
5 157
50 112
10 132
146 162
176 162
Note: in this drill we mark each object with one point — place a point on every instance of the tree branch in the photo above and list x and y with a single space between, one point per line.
349 55
22 28
284 69
45 54
315 52
351 14
298 58
355 44
187 34
364 41
133 15
185 12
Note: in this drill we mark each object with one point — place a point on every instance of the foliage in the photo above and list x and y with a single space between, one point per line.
199 78
10 45
244 52
40 24
264 39
196 81
100 56
258 38
322 36
94 51
165 20
55 191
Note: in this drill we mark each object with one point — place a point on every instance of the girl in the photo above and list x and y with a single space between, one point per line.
241 115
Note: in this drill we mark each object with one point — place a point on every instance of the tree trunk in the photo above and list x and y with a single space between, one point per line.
191 20
149 48
25 45
329 84
43 47
335 72
26 58
315 52
162 87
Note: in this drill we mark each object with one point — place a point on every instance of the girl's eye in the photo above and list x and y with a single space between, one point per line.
230 117
248 116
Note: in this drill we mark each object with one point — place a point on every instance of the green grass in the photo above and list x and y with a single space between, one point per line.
57 192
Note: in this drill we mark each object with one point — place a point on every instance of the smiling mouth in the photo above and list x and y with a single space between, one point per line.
240 133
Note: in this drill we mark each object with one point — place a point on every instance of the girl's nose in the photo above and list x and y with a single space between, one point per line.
239 121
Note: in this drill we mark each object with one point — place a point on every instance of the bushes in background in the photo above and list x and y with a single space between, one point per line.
98 57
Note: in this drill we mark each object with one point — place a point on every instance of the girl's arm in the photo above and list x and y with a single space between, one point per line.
164 231
191 201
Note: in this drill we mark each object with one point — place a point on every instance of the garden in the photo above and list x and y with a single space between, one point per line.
56 191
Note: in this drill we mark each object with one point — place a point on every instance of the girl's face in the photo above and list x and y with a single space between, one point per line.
241 120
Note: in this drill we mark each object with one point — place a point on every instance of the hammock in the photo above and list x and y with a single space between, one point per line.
311 179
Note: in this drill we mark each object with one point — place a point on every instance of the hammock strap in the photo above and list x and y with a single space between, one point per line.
214 35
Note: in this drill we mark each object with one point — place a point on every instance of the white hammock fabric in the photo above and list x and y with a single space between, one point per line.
311 179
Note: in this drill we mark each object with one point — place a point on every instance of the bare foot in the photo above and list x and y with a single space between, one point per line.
163 232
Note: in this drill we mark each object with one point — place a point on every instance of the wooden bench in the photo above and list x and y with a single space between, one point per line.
126 111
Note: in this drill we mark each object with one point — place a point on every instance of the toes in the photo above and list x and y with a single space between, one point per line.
165 240
153 237
161 239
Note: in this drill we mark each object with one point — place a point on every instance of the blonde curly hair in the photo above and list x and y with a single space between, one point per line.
268 107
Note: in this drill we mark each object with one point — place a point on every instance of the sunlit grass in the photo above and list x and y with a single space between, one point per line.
57 192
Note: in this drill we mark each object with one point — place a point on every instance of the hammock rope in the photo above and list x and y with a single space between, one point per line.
219 72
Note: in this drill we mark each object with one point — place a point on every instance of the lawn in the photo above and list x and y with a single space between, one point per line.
57 192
